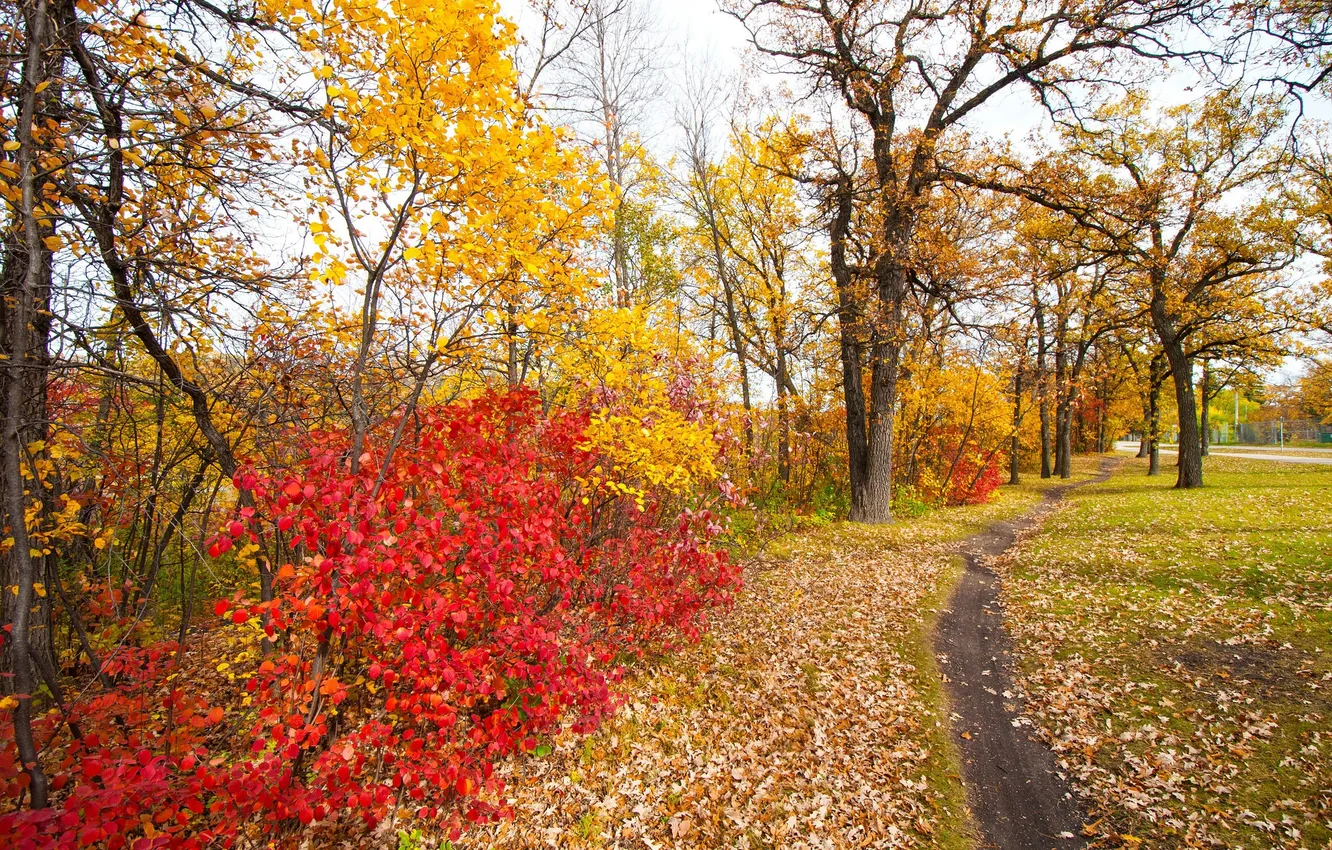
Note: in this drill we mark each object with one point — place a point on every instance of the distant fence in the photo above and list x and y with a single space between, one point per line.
1303 430
1260 433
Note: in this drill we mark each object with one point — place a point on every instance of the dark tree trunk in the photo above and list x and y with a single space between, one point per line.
1152 439
884 373
1190 445
1043 388
1064 465
25 276
1047 469
783 418
892 287
1205 432
31 425
1063 435
1063 425
1154 452
1100 417
848 321
1014 474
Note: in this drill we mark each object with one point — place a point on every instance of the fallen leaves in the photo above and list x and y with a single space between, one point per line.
801 721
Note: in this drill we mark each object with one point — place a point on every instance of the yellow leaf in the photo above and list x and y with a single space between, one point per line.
53 243
11 145
39 588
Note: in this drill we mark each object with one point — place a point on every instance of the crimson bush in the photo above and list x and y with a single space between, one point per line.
459 598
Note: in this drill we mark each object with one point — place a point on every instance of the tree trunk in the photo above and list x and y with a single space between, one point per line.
707 210
783 418
1152 439
1154 429
511 351
892 286
885 371
20 313
1205 432
1063 405
1100 417
1043 389
1064 465
853 386
1190 445
1047 447
32 421
1014 474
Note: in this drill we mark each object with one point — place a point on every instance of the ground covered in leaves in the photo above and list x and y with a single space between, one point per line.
1176 651
811 716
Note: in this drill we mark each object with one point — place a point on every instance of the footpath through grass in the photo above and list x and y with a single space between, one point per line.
1177 651
811 716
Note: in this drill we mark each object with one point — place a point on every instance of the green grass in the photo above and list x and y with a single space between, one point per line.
944 768
1176 597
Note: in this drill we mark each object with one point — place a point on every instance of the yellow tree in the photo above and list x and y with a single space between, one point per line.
1070 287
433 184
760 232
162 158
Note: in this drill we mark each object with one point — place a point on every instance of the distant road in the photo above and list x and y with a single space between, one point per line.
1305 450
1246 452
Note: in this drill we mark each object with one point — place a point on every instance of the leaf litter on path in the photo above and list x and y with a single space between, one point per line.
800 721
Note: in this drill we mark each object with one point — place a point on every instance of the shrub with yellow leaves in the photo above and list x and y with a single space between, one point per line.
652 398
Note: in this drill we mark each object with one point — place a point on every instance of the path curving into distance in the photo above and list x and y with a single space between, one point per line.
1017 797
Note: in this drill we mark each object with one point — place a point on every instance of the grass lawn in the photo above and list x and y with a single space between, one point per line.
1177 650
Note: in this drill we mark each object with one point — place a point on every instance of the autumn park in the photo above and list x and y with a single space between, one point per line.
666 424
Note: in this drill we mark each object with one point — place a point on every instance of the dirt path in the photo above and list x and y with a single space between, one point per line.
1018 799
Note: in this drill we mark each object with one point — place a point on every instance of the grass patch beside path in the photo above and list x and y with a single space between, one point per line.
812 715
1176 648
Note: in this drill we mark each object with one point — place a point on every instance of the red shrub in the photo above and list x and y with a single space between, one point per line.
426 622
974 478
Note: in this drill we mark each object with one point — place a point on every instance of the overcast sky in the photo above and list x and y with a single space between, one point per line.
696 31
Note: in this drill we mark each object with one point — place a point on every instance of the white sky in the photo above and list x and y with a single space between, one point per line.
697 31
701 23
